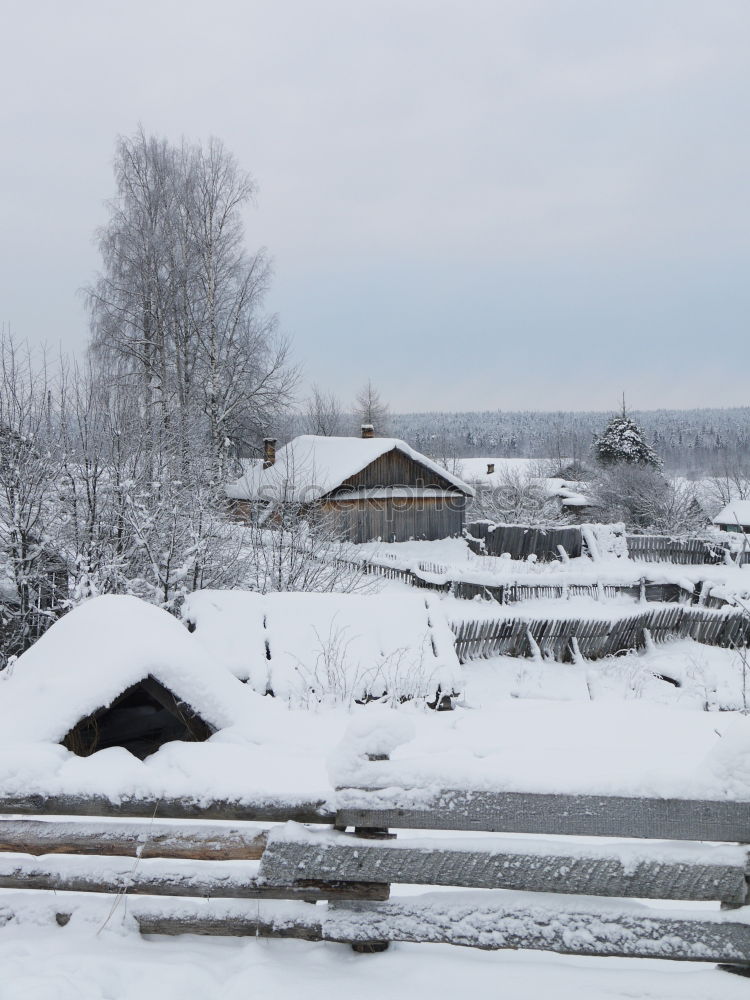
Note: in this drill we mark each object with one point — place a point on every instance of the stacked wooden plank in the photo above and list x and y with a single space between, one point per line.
552 895
549 894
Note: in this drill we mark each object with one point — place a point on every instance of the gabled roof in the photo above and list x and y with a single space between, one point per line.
736 512
310 466
98 651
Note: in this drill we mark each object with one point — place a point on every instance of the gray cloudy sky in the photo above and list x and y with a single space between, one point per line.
480 204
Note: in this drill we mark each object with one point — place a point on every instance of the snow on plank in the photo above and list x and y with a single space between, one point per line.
539 922
212 879
239 810
535 812
146 839
645 871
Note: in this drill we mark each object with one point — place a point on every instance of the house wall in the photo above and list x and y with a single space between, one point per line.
398 520
396 469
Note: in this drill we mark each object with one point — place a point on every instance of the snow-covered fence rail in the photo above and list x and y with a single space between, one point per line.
558 891
598 637
57 854
353 871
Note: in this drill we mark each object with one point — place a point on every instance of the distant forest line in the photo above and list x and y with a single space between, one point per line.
688 441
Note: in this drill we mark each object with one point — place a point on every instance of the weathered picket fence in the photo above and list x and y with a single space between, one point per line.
682 551
566 897
564 638
436 577
513 593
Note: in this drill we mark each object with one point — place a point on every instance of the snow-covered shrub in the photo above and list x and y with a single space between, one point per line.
646 500
515 497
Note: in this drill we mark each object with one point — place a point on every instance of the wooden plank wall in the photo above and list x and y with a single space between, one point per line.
396 469
521 541
397 520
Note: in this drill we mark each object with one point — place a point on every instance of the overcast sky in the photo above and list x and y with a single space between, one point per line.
513 204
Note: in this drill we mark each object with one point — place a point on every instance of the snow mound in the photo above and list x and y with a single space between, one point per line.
374 734
335 648
99 650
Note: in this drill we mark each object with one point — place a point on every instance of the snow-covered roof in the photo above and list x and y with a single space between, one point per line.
736 512
331 647
99 650
475 469
310 466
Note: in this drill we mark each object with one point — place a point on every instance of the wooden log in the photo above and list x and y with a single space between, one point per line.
212 879
535 867
230 925
537 812
264 810
201 841
512 921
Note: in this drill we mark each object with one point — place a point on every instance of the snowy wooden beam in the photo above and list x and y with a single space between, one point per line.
214 879
573 926
547 813
262 810
643 871
146 839
258 925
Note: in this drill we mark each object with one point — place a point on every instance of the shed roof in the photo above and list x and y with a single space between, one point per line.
310 466
736 512
98 651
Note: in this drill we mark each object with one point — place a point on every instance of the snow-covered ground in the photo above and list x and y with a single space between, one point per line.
613 726
90 963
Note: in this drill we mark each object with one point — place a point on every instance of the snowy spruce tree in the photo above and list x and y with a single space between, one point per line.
622 442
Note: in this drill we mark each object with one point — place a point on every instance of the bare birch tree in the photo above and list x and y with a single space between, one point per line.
177 310
323 414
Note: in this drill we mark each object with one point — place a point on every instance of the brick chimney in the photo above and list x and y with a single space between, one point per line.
269 452
490 468
368 431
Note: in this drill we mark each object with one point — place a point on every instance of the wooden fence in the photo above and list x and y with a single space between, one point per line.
564 638
521 541
432 576
682 551
354 870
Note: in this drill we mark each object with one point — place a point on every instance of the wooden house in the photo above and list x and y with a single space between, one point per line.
370 488
734 517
